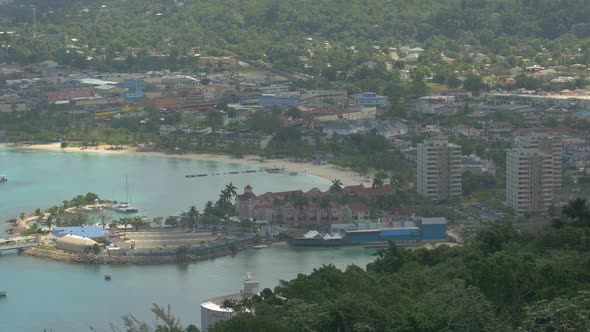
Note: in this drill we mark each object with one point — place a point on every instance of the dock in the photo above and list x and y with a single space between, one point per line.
17 243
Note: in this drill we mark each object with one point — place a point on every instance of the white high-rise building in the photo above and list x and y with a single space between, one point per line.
439 169
549 145
529 180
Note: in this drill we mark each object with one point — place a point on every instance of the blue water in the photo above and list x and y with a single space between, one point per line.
156 185
68 297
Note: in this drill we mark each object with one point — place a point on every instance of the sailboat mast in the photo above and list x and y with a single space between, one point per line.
126 190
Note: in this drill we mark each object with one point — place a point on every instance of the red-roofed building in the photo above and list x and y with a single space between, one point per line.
359 211
278 208
52 97
361 190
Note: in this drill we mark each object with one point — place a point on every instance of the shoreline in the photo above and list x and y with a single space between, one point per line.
57 255
328 172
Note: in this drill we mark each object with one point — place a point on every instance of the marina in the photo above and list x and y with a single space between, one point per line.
38 283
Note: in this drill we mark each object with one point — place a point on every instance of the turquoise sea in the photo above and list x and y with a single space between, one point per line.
44 295
156 185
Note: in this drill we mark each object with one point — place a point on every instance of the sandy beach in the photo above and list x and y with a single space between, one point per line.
328 172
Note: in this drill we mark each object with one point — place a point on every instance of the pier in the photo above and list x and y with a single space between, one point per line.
17 243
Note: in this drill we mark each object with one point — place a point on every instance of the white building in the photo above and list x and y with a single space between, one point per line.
439 169
549 145
212 310
529 180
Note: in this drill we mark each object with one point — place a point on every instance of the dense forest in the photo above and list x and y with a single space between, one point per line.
505 280
279 31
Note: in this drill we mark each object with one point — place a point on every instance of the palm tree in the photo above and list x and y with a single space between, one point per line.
209 207
158 221
114 223
137 221
325 206
49 222
126 221
336 186
379 180
300 202
231 189
193 216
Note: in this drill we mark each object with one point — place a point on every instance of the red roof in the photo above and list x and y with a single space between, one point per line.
358 207
246 196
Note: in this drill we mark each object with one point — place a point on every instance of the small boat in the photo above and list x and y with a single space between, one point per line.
293 173
260 246
233 172
3 178
3 292
107 276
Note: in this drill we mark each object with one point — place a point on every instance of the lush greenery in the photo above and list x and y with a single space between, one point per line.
124 35
505 280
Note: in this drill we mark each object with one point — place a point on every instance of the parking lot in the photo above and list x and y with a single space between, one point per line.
166 239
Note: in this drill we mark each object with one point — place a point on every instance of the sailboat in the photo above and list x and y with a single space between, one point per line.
125 207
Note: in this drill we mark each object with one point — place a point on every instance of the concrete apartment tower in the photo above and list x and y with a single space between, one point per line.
529 179
439 169
548 145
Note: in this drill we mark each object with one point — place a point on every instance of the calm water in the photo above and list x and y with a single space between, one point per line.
156 185
63 297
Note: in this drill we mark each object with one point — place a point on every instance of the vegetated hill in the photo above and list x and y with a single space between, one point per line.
253 27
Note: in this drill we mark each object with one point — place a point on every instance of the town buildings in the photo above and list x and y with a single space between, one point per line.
439 169
298 207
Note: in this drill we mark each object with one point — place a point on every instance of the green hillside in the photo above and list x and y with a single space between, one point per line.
275 29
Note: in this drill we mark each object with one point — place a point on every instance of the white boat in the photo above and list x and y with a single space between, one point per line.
124 207
107 276
3 292
260 246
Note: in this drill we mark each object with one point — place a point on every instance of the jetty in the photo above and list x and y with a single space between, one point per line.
18 243
267 170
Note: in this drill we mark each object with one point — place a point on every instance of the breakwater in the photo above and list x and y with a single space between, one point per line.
140 258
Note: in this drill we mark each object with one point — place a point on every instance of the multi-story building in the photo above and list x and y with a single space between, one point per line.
529 180
439 169
548 145
369 99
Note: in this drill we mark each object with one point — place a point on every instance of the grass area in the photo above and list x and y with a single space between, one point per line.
437 88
